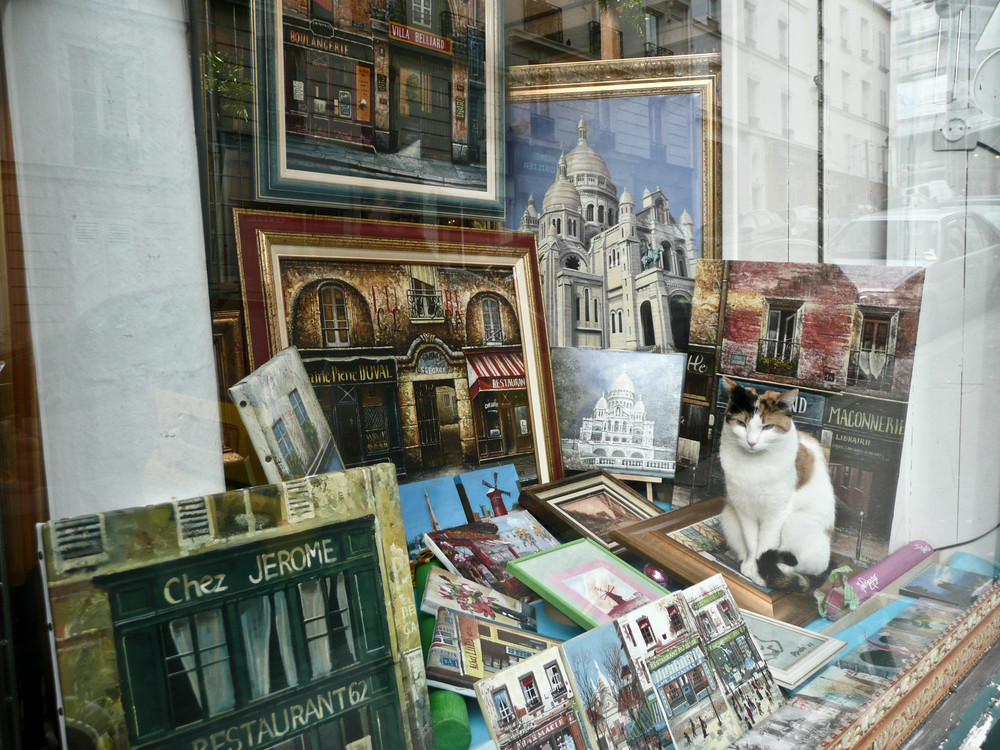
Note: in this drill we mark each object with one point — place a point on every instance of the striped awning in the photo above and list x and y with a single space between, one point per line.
495 371
424 274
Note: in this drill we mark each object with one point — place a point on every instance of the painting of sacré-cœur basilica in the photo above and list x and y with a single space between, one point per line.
616 274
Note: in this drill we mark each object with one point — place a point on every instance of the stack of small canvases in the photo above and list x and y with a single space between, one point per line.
679 670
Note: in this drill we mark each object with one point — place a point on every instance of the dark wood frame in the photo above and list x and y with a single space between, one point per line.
544 500
649 540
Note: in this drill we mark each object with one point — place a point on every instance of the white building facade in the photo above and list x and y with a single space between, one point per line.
619 436
614 274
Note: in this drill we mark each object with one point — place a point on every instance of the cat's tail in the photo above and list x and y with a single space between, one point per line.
775 567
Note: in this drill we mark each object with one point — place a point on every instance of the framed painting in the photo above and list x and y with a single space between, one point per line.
281 610
585 582
793 654
618 411
590 505
689 544
615 165
283 418
425 345
382 104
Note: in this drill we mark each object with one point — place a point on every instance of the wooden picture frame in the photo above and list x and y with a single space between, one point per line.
371 107
411 311
651 540
616 166
227 343
793 654
585 582
896 710
559 505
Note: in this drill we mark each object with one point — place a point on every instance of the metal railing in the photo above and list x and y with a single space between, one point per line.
425 304
872 370
778 357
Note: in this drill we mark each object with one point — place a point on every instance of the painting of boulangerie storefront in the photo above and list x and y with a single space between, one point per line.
845 337
420 365
278 616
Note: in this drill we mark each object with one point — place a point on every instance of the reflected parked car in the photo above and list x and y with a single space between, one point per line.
985 205
959 248
761 224
914 236
803 221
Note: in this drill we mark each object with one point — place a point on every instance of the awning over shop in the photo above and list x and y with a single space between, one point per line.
495 371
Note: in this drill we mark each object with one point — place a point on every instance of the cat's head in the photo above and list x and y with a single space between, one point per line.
757 420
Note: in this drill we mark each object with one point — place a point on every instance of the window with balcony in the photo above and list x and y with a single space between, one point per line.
424 299
555 678
778 352
501 702
872 358
492 327
529 688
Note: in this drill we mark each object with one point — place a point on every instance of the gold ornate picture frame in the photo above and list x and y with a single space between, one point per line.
615 165
425 344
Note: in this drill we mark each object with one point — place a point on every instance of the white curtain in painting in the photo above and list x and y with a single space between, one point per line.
256 622
180 633
283 629
214 659
314 617
345 615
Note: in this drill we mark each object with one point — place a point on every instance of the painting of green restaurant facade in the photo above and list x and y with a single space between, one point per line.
275 617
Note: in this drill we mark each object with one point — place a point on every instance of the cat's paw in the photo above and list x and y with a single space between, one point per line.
749 569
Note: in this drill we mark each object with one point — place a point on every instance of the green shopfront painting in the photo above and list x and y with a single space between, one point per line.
273 617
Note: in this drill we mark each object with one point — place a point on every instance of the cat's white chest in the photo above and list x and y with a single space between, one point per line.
757 484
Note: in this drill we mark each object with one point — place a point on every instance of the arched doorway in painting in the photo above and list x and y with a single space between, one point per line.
680 321
646 321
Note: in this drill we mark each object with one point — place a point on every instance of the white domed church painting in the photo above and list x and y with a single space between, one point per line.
617 270
618 411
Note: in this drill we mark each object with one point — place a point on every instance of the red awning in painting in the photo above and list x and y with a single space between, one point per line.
494 371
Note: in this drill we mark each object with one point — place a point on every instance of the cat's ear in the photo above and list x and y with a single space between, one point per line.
730 385
786 401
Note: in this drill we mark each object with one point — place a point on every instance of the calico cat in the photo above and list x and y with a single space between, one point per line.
780 506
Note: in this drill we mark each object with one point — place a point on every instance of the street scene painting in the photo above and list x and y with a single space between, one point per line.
618 411
681 672
380 103
844 337
425 345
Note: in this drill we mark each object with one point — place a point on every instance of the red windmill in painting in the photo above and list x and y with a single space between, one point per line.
495 496
622 605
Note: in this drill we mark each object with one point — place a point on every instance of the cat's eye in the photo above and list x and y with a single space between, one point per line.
740 422
769 427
